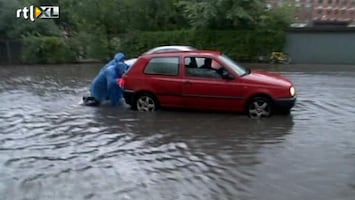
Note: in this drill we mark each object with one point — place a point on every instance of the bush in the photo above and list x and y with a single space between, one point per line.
244 45
241 45
46 49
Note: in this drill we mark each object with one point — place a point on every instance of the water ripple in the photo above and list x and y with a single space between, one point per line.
53 148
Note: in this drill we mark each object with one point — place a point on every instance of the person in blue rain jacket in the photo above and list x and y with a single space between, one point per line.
113 61
105 85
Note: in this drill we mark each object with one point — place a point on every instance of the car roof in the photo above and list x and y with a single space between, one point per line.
170 48
186 53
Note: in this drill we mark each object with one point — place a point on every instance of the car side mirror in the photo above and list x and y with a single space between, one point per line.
226 75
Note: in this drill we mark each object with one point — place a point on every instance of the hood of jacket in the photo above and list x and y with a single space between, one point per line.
119 57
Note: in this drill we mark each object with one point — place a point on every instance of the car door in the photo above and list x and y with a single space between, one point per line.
163 78
204 87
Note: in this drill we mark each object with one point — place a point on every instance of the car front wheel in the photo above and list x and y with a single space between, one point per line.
259 107
146 103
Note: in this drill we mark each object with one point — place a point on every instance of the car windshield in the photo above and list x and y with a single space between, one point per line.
234 65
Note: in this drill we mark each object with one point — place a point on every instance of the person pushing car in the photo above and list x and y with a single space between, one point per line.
105 85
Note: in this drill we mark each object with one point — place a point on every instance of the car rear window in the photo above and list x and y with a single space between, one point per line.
163 66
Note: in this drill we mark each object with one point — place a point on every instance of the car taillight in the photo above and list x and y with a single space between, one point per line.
122 82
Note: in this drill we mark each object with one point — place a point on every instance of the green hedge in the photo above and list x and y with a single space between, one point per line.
46 49
241 45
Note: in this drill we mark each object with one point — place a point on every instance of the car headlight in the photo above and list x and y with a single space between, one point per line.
292 91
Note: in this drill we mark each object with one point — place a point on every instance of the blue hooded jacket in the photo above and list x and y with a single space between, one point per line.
104 86
114 60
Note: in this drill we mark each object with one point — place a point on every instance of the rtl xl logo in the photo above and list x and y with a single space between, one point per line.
35 12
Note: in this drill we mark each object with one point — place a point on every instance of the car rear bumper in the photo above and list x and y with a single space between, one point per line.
129 96
284 104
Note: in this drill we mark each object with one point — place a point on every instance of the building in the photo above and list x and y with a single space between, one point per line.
313 12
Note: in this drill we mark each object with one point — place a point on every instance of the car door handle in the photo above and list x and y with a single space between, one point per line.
187 82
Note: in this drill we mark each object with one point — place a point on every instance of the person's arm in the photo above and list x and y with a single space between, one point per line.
121 69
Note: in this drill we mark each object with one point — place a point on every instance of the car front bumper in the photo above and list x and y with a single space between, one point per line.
284 104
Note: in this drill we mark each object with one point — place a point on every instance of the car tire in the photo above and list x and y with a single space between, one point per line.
259 107
146 102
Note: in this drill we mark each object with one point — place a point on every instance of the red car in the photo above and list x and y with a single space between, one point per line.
205 80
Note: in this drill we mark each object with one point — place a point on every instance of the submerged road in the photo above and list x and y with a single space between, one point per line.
53 148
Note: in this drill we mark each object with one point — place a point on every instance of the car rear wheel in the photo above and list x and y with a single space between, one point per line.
146 103
259 107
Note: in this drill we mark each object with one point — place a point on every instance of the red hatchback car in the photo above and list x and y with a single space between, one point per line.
205 80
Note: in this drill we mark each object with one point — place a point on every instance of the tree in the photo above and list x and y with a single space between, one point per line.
153 15
222 14
277 18
7 17
98 24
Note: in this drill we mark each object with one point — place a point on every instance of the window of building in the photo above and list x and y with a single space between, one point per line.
163 66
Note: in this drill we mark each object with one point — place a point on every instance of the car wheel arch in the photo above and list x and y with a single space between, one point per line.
255 95
142 92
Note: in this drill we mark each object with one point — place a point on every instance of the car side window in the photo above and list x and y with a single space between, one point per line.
202 67
163 66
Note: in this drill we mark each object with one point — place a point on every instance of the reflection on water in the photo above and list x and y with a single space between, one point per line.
53 148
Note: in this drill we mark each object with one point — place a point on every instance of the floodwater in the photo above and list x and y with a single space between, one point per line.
53 148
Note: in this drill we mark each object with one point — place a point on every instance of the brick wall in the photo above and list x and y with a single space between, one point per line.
321 10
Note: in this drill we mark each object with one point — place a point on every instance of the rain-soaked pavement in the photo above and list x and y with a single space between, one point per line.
53 148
